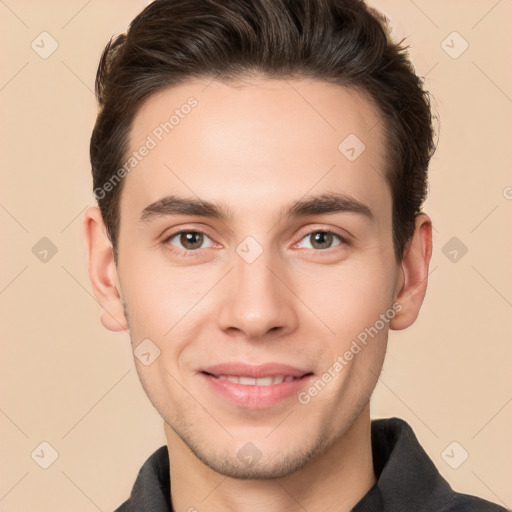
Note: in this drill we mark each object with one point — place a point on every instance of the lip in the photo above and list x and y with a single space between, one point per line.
262 370
253 396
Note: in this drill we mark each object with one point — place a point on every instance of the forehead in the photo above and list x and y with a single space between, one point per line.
256 145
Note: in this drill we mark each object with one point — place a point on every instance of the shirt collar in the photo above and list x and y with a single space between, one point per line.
406 478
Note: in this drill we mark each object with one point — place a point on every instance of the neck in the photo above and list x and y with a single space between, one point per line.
335 480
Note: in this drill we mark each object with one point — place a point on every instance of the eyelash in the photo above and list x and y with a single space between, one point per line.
193 252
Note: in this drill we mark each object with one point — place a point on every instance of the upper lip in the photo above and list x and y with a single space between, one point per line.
262 370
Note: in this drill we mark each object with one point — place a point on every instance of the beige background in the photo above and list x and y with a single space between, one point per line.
69 382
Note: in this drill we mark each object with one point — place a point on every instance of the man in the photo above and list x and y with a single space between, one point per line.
260 168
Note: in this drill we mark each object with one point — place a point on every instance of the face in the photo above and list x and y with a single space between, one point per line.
261 274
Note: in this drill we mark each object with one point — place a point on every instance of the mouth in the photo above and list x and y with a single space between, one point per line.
254 387
246 380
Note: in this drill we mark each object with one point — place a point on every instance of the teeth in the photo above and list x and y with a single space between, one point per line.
262 381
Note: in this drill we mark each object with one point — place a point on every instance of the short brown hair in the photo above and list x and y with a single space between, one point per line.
338 41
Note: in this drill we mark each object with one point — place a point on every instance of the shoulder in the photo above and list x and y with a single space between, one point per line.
409 480
151 490
459 502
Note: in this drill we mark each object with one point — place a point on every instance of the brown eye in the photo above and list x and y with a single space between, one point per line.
191 240
187 240
322 239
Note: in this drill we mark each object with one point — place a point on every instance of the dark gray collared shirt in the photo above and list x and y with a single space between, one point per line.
407 480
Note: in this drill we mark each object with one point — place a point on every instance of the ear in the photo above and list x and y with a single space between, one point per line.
412 284
103 271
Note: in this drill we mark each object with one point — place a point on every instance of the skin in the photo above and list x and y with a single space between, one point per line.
257 146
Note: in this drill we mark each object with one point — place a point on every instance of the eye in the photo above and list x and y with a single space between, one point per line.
323 239
190 240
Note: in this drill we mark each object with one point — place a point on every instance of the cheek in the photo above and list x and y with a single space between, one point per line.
349 297
160 296
160 385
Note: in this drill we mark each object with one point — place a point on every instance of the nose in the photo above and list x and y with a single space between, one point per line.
257 299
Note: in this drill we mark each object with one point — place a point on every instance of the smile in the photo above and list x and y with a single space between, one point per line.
261 381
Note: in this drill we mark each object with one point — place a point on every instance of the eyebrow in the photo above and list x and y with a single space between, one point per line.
322 204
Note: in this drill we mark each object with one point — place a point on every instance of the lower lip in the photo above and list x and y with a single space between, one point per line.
252 396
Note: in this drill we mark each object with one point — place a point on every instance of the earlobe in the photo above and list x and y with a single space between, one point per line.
102 270
414 274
